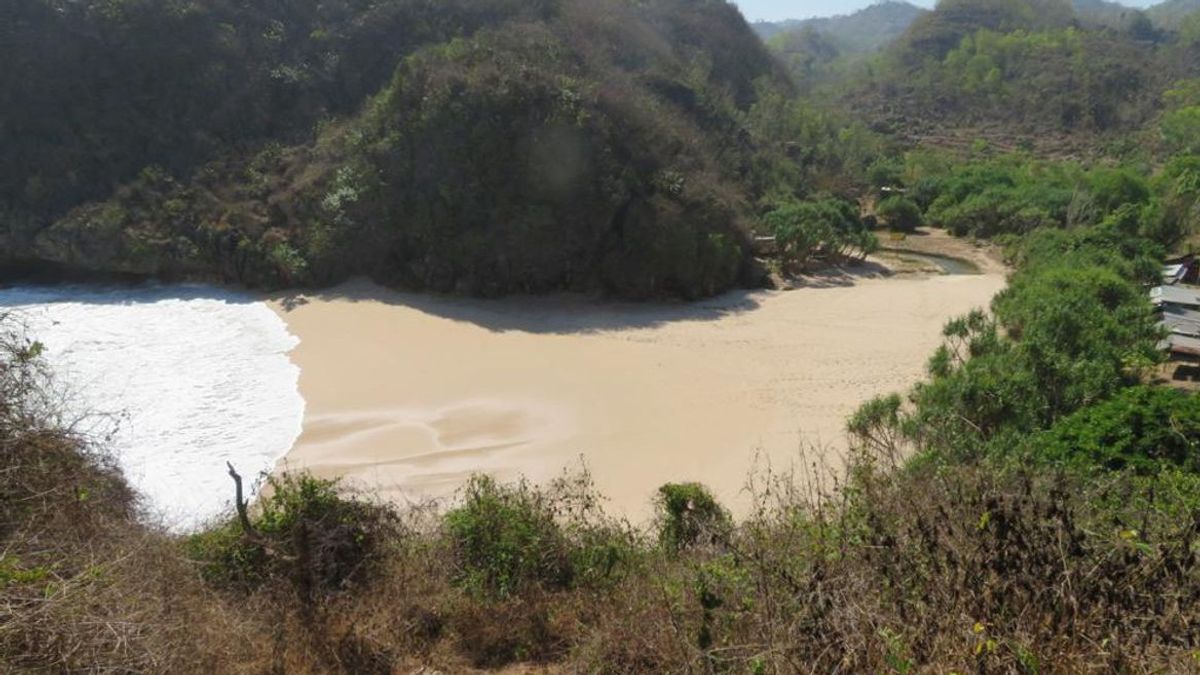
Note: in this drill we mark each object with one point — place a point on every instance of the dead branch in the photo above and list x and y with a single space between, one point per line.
240 502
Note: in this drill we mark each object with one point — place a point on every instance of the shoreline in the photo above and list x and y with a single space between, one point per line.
408 394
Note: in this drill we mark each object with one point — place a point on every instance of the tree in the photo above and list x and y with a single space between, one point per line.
1181 130
900 213
1142 428
831 227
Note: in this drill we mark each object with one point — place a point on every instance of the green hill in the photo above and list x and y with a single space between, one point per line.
485 146
1022 73
1105 13
866 30
1173 13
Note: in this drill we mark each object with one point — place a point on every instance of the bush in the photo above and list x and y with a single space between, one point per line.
900 213
1073 327
305 533
689 515
1141 428
1113 188
828 227
1181 130
506 539
503 538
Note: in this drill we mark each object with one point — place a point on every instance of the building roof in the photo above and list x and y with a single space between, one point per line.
1181 320
1181 344
1186 296
1173 274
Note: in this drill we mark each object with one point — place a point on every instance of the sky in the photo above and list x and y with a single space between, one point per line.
776 10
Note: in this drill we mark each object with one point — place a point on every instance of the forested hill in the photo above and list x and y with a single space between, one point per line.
484 146
1173 13
866 30
497 146
1021 74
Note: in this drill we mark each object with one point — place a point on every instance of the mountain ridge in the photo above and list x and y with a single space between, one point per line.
866 30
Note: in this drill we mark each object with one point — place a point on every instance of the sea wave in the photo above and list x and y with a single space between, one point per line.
174 381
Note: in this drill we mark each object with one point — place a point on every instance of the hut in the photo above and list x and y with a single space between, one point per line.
1176 295
1180 320
1182 270
1182 347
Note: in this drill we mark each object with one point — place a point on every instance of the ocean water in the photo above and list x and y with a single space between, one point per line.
173 380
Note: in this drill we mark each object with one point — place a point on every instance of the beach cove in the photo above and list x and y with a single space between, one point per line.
407 394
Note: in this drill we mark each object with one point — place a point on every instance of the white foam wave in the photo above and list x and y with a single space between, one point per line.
180 378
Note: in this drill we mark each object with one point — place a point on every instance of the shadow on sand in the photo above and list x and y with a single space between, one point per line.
842 276
558 313
554 314
565 313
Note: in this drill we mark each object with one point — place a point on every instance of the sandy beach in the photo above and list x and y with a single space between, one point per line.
408 394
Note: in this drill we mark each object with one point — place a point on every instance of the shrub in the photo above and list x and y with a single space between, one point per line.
1113 188
689 515
827 227
900 213
505 537
1181 130
1141 428
306 532
876 425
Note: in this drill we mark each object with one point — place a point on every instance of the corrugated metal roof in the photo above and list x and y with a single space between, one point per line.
1180 320
1181 344
1177 295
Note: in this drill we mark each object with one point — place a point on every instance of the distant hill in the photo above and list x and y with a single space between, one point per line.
867 30
1170 14
1103 12
1046 75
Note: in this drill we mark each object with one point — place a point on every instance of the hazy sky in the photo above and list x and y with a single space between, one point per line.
774 10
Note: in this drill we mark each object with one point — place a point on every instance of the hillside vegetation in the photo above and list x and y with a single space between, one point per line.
866 30
483 147
1072 80
1173 13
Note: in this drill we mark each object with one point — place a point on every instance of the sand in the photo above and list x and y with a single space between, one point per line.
408 394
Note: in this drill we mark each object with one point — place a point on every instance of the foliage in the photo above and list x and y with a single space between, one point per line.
1175 13
1143 428
504 538
174 84
807 149
899 213
577 190
867 30
1019 74
1073 328
829 228
305 532
689 515
507 147
507 539
1017 195
1181 129
875 425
